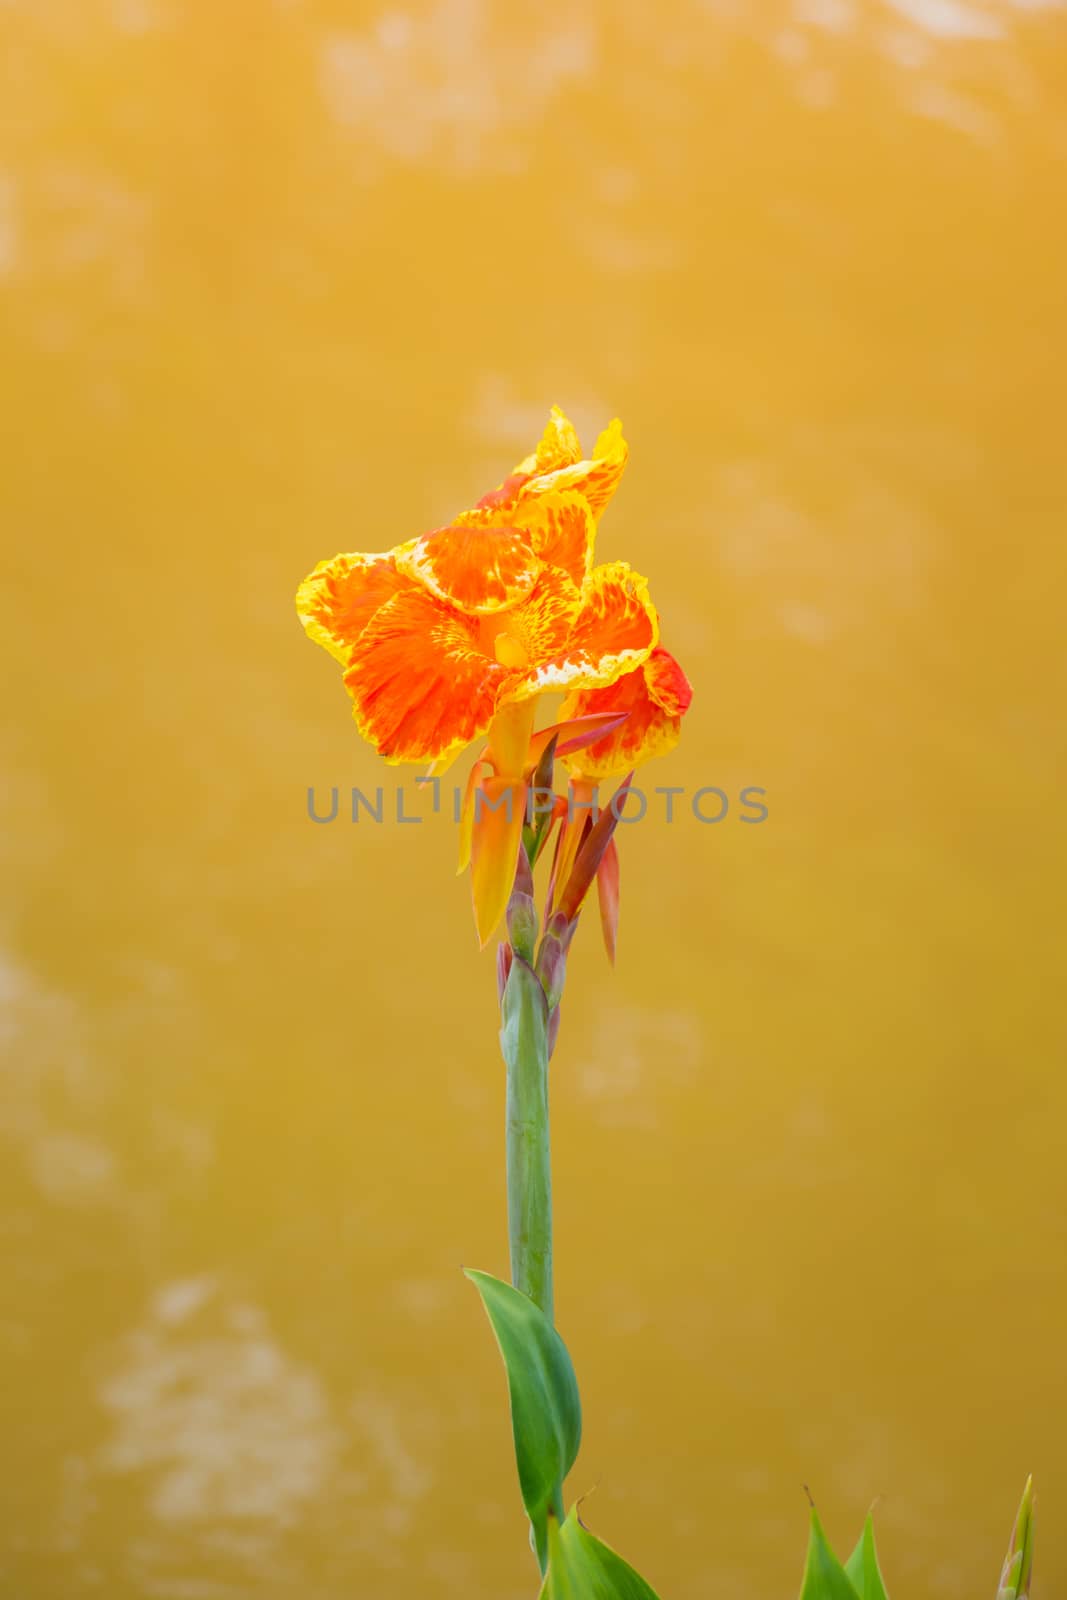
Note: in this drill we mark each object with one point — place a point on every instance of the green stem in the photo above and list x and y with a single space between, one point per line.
524 1042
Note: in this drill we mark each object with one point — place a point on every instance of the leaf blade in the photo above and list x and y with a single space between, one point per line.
862 1566
546 1415
582 1567
824 1576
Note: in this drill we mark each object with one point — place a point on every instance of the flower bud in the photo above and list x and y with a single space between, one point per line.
551 969
522 924
553 1031
503 968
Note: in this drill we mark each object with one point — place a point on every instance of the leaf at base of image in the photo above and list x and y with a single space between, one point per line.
1018 1564
824 1576
863 1569
580 1567
546 1415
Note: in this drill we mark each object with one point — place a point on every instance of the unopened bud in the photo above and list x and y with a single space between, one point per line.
522 924
551 969
503 968
553 1031
523 876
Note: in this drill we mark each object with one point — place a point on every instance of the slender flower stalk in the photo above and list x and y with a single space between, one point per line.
524 1041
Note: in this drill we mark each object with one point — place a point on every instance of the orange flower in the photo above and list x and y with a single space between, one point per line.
655 697
499 606
455 634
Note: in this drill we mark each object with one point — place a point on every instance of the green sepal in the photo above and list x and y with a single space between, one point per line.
824 1576
862 1566
546 1414
581 1567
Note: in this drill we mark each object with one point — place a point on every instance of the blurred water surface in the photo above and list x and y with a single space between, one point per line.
282 279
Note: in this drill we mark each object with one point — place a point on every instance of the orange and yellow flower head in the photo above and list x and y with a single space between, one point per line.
499 606
453 636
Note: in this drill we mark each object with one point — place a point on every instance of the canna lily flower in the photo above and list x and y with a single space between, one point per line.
454 635
650 703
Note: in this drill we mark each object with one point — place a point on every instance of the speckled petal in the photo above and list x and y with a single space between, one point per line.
613 630
421 683
479 563
557 447
337 600
562 529
596 478
655 698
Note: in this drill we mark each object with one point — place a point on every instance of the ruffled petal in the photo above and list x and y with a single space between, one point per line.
613 630
655 698
337 600
558 447
562 529
537 629
477 563
667 684
596 479
558 465
421 682
499 809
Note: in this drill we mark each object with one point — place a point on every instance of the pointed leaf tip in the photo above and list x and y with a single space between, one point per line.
1018 1564
824 1576
862 1566
582 1567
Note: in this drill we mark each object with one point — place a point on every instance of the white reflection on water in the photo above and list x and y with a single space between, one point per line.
448 84
51 1100
634 1049
951 19
230 1426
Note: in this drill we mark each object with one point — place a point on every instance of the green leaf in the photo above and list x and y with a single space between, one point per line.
580 1567
1018 1565
546 1414
824 1576
863 1569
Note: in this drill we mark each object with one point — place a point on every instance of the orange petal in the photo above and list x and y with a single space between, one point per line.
613 630
577 818
480 769
509 738
422 685
667 684
571 896
607 884
474 563
557 464
499 808
537 629
337 600
563 531
557 447
655 698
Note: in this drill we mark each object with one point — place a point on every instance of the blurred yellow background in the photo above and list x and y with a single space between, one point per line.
281 279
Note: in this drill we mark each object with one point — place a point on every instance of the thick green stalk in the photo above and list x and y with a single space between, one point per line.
524 1042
